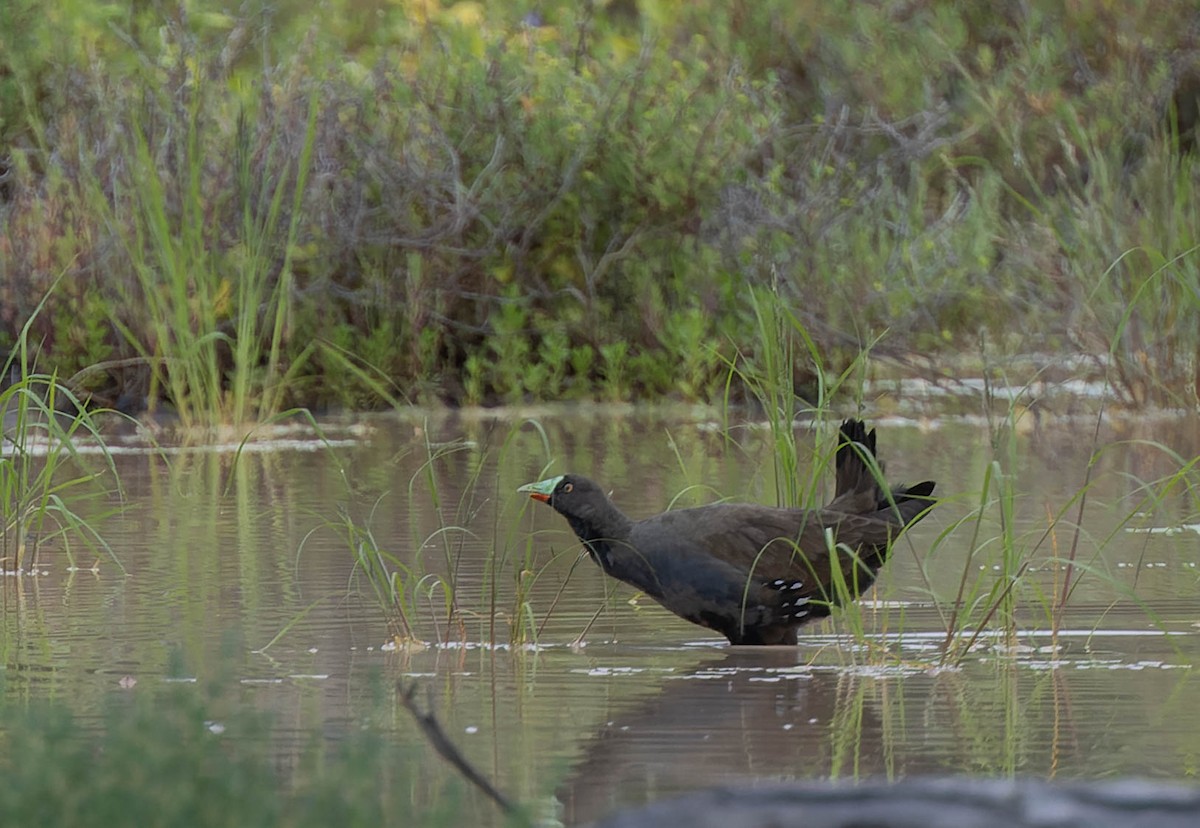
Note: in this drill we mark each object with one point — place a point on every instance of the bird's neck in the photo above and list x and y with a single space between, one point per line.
609 523
603 532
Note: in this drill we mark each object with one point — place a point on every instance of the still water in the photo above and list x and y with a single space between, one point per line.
238 568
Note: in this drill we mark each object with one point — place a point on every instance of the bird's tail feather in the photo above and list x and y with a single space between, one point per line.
911 501
853 472
856 476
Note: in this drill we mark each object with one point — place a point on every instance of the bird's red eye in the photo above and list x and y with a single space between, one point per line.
568 487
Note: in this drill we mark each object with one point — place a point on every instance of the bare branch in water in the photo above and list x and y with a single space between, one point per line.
441 743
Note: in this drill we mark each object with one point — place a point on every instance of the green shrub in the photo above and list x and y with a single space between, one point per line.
419 201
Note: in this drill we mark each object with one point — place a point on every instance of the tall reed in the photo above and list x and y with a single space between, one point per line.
43 475
213 292
783 346
431 596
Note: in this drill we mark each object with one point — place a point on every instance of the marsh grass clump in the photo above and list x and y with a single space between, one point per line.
208 294
786 374
1020 575
447 583
44 477
418 603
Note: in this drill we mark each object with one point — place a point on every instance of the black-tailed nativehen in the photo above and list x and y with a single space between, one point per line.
752 573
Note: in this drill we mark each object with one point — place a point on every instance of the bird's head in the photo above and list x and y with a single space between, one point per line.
576 498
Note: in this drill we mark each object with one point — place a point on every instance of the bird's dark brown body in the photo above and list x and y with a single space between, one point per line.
753 573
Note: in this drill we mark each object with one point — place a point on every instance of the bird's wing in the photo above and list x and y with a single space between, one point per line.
759 543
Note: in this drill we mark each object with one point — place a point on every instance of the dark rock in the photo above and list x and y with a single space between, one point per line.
927 803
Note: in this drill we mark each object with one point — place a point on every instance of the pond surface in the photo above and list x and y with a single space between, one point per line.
238 571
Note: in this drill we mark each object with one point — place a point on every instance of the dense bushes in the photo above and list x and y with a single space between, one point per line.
400 201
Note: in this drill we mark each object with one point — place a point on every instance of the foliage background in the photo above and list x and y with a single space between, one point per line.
355 204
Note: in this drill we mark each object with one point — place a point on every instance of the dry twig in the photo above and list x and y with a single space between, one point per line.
441 743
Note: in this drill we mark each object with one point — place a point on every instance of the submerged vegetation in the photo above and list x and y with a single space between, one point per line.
434 588
476 203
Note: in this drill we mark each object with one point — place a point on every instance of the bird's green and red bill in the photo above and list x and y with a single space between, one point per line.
542 489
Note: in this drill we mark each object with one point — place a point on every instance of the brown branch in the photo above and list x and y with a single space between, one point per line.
441 743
